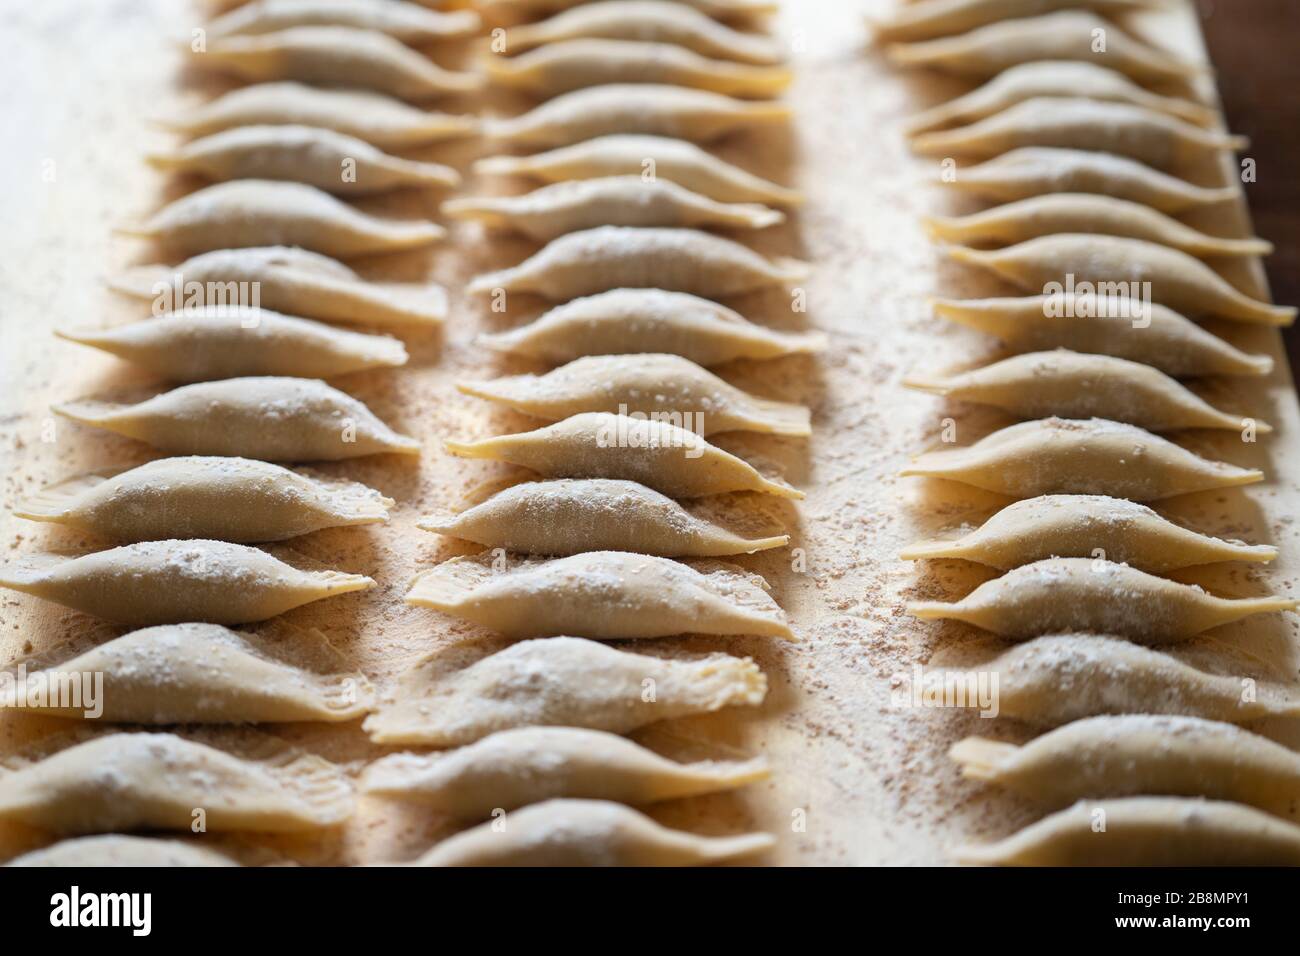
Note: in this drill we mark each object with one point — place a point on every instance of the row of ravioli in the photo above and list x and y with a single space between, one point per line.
251 323
518 745
1084 131
633 265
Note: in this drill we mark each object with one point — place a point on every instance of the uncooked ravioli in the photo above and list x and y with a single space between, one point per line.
601 594
567 65
324 158
335 56
1058 678
1054 213
1166 276
1080 456
159 780
1077 385
1125 328
646 384
224 499
1055 78
587 833
116 850
1147 831
514 768
170 582
262 212
274 418
559 682
285 279
654 21
660 454
928 19
614 201
613 257
572 516
1087 526
203 674
377 119
650 157
627 321
1132 754
1057 122
648 108
1096 595
409 22
215 342
1039 170
1068 35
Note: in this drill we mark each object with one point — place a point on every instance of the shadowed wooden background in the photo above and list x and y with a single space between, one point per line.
1252 45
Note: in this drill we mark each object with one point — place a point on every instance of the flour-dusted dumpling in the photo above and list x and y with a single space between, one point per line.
212 342
262 212
1078 385
628 321
1055 213
1079 526
124 782
667 457
643 384
1055 78
170 582
1105 325
1092 594
652 108
204 674
1133 754
1174 278
649 157
324 158
587 833
1036 170
715 8
1146 831
286 279
571 516
568 65
222 499
514 768
409 22
1085 457
274 419
1058 122
1067 35
610 201
651 21
609 595
117 850
379 120
1055 679
928 19
613 257
335 56
560 682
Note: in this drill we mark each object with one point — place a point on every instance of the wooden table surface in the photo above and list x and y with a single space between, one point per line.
859 777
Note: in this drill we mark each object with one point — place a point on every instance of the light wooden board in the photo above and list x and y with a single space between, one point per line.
857 778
